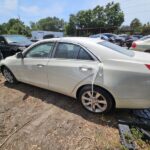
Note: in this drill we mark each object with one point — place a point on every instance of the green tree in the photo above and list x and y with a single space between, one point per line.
108 16
114 15
14 26
48 24
70 28
136 25
146 29
98 17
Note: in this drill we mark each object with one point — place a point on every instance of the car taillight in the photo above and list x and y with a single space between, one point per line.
148 66
133 45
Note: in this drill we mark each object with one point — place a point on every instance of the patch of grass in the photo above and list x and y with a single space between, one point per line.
137 135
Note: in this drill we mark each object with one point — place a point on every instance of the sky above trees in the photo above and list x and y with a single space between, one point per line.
33 10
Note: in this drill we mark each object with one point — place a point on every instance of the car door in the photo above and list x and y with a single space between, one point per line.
4 48
70 65
34 64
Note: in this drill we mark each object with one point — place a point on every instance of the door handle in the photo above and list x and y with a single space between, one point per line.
40 65
84 69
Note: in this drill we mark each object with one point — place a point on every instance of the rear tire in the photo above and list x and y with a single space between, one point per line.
98 102
9 76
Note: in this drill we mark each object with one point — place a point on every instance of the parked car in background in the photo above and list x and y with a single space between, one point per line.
94 71
142 44
118 40
139 36
100 36
1 56
48 36
124 36
40 35
11 44
131 38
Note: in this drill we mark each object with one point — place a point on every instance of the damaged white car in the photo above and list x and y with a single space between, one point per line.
98 73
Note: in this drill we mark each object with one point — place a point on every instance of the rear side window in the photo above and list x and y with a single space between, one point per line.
71 51
67 51
83 55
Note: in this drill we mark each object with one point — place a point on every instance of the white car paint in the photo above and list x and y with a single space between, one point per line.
142 44
123 74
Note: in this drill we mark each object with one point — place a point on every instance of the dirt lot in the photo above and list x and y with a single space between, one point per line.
35 119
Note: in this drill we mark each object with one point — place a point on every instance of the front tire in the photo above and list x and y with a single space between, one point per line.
9 76
98 101
147 51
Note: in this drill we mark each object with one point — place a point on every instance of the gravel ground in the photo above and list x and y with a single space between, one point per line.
36 119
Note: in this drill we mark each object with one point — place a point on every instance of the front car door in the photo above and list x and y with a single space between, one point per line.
4 49
70 65
34 64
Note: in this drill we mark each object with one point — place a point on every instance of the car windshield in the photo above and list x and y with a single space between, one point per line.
17 39
117 48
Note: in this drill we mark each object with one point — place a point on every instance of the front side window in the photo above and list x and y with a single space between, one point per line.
40 51
67 51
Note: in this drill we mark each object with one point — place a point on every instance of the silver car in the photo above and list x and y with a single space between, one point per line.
98 73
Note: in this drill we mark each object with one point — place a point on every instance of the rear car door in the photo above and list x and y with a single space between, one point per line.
34 64
71 64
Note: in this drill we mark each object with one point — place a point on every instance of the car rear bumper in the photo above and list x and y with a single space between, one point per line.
133 104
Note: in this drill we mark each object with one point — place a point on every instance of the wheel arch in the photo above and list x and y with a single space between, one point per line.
79 89
4 66
147 51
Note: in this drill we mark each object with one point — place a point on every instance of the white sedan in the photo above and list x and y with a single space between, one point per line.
142 44
98 73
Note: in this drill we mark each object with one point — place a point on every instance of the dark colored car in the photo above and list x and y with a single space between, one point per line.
101 36
11 44
138 36
130 40
48 36
118 40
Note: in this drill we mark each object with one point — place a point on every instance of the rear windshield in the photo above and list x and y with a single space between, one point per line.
117 48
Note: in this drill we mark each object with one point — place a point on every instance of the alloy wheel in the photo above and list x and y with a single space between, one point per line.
94 101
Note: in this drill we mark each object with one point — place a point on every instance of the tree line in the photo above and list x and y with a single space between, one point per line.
107 16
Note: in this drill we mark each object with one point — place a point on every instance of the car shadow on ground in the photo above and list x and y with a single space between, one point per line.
69 104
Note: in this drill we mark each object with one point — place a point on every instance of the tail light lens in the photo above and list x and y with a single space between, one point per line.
133 45
148 66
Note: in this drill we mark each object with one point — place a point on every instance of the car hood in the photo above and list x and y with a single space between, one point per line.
142 57
21 44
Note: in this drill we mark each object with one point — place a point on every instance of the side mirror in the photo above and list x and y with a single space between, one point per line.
19 55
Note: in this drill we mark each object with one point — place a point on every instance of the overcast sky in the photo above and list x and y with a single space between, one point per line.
33 10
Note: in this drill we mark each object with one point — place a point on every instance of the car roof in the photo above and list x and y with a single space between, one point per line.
91 44
76 40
